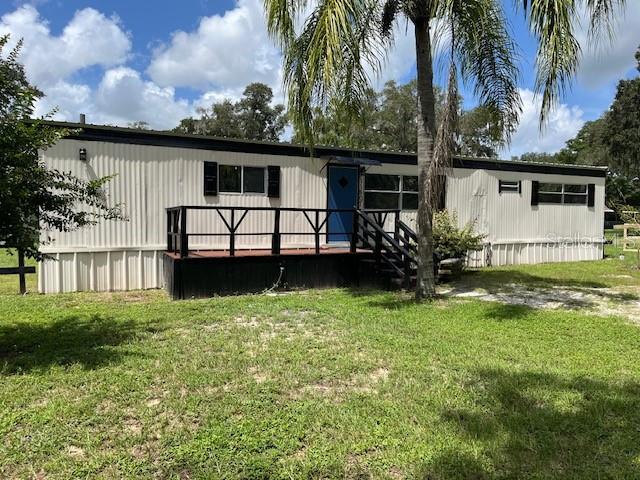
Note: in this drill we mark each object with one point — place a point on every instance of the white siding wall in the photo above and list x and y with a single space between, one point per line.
516 232
117 255
149 179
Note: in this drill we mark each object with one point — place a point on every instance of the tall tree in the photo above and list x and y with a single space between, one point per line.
480 133
588 147
34 198
328 57
250 118
398 116
622 130
258 119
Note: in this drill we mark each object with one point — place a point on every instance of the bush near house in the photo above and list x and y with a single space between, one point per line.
451 241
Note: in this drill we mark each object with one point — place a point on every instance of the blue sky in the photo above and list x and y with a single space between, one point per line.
157 61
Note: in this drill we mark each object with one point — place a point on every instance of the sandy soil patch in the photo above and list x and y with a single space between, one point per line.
621 301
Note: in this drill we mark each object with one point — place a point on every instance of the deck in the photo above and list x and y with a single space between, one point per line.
370 256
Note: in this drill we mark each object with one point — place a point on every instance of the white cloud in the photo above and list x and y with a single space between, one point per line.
67 99
90 38
123 96
226 51
563 124
608 61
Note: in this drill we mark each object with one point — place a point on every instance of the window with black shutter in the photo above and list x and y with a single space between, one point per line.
210 178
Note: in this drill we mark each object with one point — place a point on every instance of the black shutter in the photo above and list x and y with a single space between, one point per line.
520 186
591 195
499 187
210 178
534 192
273 173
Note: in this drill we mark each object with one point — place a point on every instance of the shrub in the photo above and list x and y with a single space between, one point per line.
449 241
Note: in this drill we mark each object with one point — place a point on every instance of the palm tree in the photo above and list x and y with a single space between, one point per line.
330 46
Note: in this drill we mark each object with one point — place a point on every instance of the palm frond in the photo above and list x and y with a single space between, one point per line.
389 14
488 56
552 22
281 16
330 58
445 143
601 16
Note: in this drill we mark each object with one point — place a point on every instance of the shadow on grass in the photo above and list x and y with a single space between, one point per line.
545 426
87 341
489 278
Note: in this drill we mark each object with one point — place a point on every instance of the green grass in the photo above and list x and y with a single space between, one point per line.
320 384
9 283
607 273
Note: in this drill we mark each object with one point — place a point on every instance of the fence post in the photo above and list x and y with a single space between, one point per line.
184 239
232 235
354 232
23 280
275 238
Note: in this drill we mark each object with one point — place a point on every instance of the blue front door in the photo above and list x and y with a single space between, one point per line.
342 193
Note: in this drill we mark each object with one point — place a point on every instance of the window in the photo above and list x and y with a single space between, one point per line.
508 186
253 180
390 192
562 193
409 192
230 178
238 179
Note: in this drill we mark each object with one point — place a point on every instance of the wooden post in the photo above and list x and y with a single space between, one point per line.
407 272
23 279
378 248
169 236
232 233
317 230
354 232
396 226
275 238
184 239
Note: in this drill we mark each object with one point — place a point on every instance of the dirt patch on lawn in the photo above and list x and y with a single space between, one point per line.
620 301
337 389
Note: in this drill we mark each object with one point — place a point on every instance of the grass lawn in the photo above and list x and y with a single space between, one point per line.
321 384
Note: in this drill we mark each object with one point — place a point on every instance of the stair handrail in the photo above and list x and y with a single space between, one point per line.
389 239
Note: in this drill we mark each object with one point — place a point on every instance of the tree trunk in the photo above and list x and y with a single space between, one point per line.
426 282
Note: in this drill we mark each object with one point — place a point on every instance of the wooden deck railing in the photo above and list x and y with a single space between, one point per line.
231 218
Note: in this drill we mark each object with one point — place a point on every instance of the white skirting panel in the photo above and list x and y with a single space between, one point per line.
521 253
135 269
101 271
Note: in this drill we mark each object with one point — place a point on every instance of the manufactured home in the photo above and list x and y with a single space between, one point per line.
229 211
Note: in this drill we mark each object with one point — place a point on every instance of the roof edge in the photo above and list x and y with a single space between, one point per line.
104 133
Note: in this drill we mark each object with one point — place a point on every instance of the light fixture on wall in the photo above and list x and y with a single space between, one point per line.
83 154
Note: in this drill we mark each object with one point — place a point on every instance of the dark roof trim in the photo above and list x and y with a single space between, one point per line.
99 133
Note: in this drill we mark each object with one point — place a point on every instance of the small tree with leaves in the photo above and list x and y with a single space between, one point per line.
34 198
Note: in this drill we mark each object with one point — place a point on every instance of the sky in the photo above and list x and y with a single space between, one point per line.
159 60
